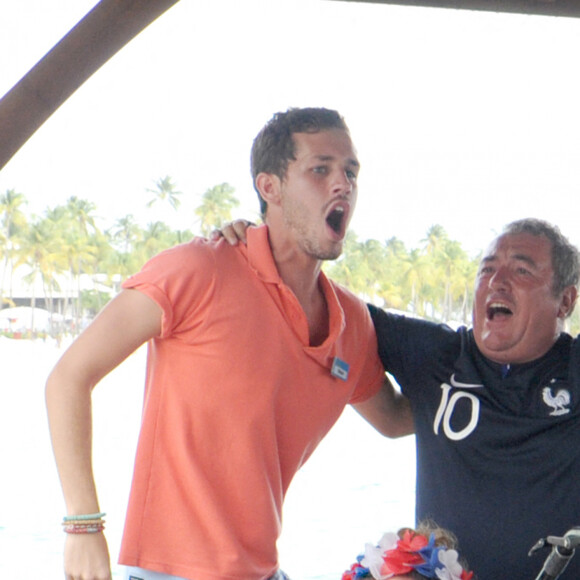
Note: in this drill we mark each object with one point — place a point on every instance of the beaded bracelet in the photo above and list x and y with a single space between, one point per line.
81 517
84 523
83 528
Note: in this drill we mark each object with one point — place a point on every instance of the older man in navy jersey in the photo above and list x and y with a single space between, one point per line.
497 407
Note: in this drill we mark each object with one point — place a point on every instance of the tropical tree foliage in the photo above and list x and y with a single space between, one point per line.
433 281
216 207
63 248
12 228
165 191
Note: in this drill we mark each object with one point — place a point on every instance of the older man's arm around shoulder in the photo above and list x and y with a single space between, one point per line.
388 411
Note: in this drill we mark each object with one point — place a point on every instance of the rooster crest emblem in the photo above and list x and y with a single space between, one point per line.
558 402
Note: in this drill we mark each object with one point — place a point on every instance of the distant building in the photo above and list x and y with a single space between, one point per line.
57 297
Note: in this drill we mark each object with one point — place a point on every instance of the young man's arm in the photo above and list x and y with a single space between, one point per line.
388 412
125 323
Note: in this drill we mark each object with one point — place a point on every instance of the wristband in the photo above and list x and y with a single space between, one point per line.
83 517
70 528
84 523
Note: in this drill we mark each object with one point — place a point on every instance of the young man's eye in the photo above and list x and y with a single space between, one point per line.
351 174
321 169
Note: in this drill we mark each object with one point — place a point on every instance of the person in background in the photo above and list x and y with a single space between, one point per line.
252 356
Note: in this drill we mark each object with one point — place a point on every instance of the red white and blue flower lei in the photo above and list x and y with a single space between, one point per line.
397 556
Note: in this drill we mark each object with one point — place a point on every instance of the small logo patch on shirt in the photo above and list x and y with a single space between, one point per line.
558 402
134 578
339 369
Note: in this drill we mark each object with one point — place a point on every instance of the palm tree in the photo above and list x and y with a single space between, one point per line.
395 247
125 233
446 257
155 238
448 260
12 222
98 266
416 272
165 191
79 252
80 211
216 207
391 282
79 245
369 268
74 231
40 251
342 269
466 276
435 239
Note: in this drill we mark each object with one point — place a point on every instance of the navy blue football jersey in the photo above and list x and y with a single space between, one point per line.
498 447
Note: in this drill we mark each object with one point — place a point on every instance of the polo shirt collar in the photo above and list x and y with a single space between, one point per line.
260 255
262 262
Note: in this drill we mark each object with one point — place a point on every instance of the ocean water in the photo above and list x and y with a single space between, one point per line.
356 486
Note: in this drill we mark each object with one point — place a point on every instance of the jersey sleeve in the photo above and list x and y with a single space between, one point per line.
410 347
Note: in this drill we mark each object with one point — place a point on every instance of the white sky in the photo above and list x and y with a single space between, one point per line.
466 119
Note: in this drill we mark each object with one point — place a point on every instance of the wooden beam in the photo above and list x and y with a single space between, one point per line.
113 23
107 28
570 8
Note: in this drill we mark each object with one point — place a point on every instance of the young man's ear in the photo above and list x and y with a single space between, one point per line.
269 186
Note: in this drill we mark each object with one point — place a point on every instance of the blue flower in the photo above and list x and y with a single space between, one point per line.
430 555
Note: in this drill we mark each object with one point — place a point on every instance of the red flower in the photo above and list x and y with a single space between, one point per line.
351 574
405 556
411 542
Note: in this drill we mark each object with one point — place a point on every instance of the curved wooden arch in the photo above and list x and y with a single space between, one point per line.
537 7
113 23
107 28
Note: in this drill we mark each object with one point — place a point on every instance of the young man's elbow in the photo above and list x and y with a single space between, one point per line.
67 382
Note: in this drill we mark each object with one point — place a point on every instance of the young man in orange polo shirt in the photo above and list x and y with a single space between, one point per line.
253 354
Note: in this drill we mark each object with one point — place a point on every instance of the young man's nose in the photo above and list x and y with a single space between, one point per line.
341 182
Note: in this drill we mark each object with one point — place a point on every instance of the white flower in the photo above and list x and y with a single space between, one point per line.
451 568
373 558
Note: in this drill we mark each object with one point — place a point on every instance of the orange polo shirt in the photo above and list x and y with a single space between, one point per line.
235 402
